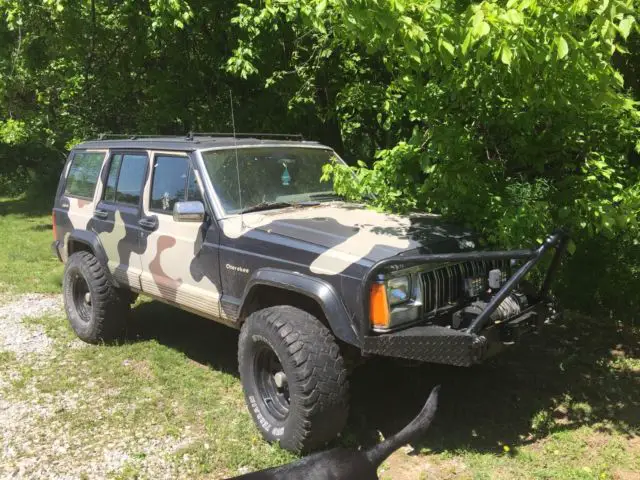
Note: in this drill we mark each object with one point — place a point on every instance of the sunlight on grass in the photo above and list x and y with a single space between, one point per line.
562 406
26 261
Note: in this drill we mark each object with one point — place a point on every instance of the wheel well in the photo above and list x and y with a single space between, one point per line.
263 296
78 246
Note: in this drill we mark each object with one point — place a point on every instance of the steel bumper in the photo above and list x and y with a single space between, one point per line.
483 338
436 344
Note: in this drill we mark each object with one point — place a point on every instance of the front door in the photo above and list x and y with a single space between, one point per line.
116 216
173 268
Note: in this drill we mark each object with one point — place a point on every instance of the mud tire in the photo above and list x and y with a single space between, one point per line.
310 358
103 318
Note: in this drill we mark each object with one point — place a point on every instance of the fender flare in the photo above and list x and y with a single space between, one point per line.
92 241
340 321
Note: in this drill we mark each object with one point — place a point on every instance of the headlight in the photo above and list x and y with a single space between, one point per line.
394 302
399 290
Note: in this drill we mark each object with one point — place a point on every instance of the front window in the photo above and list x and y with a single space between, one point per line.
268 177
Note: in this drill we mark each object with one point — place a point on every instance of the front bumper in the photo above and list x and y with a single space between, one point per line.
483 337
436 344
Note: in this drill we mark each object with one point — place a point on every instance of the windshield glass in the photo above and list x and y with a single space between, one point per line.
268 175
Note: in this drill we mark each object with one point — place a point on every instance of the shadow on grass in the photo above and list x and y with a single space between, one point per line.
559 380
203 341
28 206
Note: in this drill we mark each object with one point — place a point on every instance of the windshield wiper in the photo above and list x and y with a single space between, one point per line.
265 206
273 205
325 195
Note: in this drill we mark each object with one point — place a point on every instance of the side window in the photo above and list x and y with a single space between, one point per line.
170 175
126 176
112 179
83 174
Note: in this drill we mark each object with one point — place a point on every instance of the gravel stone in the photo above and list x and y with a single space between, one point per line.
36 439
24 340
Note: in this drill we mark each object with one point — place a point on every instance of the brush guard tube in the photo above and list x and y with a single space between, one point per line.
433 343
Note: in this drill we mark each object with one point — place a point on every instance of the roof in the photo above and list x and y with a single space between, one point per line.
184 143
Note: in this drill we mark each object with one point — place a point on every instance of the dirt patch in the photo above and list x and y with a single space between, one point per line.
405 464
626 475
142 368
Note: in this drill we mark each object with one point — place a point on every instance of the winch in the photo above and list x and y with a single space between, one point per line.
510 307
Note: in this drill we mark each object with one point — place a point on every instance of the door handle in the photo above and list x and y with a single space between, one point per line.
98 212
148 223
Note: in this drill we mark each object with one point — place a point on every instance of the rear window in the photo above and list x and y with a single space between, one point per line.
83 174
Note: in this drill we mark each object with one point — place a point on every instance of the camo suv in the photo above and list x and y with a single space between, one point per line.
243 231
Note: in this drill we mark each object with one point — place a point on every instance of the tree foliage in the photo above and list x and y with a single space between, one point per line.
514 116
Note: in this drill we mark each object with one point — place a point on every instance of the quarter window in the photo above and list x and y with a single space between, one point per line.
126 175
83 174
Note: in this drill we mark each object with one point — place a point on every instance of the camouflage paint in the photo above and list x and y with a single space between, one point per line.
350 233
204 267
172 269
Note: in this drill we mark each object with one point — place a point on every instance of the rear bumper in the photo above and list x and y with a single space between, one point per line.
436 344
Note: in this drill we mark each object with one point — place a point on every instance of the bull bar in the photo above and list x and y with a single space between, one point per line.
437 344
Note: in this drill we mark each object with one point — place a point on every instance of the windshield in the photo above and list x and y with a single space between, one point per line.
268 175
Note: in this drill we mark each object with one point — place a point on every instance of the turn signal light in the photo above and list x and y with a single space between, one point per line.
378 306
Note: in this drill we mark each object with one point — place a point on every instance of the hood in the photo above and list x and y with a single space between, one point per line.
350 232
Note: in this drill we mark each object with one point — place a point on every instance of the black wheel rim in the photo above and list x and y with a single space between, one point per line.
271 382
81 297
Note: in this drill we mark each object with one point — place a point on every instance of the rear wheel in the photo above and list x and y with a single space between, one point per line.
294 377
95 309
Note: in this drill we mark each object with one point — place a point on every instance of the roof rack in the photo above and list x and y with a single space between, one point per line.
275 136
130 136
193 135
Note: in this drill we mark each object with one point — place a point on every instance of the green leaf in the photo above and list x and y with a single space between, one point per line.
506 54
624 27
446 46
562 46
481 29
571 247
466 44
514 17
321 7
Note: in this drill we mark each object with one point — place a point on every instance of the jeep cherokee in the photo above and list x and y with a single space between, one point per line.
242 231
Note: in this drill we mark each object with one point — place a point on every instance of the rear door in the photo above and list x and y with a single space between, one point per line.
75 201
116 217
175 266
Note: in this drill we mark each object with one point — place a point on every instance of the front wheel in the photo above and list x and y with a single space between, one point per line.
294 378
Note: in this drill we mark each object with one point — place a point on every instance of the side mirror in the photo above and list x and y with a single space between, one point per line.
188 212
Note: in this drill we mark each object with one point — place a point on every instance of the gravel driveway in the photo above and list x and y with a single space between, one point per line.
36 438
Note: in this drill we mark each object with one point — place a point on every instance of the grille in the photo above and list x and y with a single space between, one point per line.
443 287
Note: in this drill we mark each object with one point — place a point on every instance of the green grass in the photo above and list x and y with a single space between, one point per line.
564 405
26 261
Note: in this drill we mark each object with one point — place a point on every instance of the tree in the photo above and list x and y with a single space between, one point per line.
508 115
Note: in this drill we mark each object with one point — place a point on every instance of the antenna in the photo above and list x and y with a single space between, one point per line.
235 144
